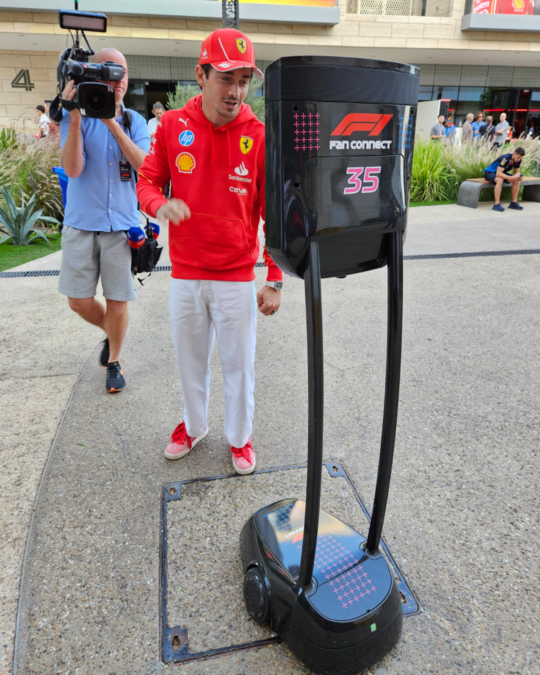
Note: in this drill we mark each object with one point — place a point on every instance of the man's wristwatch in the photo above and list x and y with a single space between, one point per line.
276 285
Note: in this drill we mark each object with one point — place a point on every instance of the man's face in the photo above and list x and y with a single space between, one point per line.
120 88
470 117
441 119
224 92
516 157
158 112
503 117
480 118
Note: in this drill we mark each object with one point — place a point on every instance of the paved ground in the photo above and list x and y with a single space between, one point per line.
463 510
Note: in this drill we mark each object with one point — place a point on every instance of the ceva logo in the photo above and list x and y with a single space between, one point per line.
374 123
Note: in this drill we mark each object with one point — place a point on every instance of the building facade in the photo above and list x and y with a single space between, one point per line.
489 70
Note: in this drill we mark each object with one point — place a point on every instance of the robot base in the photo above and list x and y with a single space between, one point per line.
350 616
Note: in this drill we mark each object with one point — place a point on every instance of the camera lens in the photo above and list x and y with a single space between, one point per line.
96 99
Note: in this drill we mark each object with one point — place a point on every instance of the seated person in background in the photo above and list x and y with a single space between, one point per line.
499 173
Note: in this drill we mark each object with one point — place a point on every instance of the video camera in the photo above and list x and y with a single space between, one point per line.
93 99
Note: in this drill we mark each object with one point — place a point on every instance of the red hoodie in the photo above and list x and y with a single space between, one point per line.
219 173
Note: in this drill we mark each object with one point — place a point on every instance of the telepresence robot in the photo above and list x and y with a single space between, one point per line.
339 146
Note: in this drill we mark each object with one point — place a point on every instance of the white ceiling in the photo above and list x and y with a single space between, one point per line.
269 52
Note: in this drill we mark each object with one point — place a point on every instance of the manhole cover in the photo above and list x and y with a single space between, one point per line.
203 610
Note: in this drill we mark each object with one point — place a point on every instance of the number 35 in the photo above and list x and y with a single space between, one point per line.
369 177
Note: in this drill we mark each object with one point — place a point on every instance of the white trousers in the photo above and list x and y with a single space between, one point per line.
201 311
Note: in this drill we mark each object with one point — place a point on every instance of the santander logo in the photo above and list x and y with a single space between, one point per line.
241 174
241 170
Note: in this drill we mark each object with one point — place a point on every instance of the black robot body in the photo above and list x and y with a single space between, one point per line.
339 144
336 167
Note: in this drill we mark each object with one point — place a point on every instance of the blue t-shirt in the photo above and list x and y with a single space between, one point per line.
506 162
98 201
476 129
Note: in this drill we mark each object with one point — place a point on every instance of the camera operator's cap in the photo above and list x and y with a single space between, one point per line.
228 49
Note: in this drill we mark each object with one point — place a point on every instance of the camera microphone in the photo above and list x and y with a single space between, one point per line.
135 237
153 230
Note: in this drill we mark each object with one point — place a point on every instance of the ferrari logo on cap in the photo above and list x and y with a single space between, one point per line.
241 44
246 143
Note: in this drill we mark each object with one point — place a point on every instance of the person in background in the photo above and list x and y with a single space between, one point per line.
153 124
54 127
100 158
499 173
467 129
450 130
531 132
438 132
43 122
487 130
477 124
501 131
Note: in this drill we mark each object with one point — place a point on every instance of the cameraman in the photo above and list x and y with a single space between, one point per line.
101 206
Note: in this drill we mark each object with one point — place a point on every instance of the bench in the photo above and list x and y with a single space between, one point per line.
469 190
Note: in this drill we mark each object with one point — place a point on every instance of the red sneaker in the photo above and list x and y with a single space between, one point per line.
243 459
181 444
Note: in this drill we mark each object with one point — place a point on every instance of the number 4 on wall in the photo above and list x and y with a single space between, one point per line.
22 80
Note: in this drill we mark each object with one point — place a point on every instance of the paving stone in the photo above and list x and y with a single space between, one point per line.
461 518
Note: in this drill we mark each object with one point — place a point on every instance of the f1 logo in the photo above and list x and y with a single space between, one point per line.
352 122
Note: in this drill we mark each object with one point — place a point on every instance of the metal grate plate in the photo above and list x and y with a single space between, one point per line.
203 612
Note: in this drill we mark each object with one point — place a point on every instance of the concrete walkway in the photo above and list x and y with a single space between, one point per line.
464 496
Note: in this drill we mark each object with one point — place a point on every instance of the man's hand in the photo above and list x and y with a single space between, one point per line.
68 95
268 300
110 123
175 211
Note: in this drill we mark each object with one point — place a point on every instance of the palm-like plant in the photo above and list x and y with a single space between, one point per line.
17 222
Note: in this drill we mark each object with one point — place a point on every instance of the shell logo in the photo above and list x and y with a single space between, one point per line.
519 5
185 162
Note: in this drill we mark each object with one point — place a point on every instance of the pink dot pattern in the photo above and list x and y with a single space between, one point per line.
349 581
306 131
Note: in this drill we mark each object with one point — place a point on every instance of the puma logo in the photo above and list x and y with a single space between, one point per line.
184 121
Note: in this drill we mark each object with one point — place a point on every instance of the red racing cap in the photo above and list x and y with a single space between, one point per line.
227 49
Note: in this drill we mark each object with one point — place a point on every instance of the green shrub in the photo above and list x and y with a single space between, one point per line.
26 167
439 169
432 177
181 96
17 222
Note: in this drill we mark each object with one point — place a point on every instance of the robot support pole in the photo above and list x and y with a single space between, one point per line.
312 281
391 396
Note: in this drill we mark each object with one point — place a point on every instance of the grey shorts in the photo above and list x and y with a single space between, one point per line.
87 255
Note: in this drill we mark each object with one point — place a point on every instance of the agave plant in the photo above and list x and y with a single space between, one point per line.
17 222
